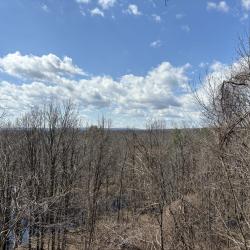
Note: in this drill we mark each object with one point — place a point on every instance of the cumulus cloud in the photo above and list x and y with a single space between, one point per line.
217 73
44 68
97 12
45 8
156 44
221 6
245 4
106 4
161 91
133 10
83 1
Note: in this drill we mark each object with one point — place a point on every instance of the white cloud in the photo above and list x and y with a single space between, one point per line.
133 10
245 4
161 92
156 44
106 4
217 73
156 18
217 66
83 1
45 8
203 64
186 28
222 6
96 12
44 68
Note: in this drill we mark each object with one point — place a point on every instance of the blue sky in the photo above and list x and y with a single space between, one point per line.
130 60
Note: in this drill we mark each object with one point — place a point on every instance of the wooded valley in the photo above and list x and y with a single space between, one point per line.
65 187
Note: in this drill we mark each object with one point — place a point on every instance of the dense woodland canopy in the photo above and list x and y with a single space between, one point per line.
64 187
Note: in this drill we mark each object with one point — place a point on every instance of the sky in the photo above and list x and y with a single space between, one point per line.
131 61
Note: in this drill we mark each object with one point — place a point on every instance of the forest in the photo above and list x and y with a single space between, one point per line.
67 187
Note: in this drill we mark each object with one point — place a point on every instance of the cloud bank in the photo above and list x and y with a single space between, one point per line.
44 68
161 93
221 6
